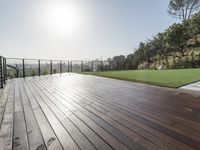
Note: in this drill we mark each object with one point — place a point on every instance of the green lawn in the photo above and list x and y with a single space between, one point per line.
169 78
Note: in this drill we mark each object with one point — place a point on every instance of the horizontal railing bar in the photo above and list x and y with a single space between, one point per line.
33 59
64 60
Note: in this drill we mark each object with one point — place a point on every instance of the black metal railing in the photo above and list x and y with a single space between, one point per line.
3 71
21 67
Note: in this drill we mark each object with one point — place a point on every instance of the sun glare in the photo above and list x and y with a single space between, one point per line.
63 18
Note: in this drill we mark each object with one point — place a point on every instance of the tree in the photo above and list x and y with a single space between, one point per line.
119 58
177 37
146 52
194 26
133 60
183 9
129 61
162 47
174 42
119 61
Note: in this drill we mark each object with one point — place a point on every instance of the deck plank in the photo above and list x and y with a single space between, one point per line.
65 139
184 122
6 130
33 132
119 135
165 119
88 132
141 99
177 142
152 95
50 138
116 144
3 101
73 131
149 116
20 134
159 109
171 141
87 112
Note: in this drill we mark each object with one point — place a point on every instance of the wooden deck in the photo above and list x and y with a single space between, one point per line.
86 112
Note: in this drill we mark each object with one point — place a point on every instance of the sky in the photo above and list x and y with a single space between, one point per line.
78 29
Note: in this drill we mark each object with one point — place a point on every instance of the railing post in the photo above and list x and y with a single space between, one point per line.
92 66
39 67
23 68
199 59
4 70
51 67
109 65
81 66
68 67
60 66
71 67
1 73
101 66
124 65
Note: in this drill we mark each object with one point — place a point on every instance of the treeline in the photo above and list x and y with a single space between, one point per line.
176 47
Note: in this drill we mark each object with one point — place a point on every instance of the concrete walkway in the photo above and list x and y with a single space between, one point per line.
193 87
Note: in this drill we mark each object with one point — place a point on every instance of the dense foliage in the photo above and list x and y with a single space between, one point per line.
173 48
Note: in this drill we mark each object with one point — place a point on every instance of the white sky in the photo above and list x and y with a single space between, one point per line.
78 29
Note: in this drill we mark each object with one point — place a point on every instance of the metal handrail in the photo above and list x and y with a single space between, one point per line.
3 71
69 66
